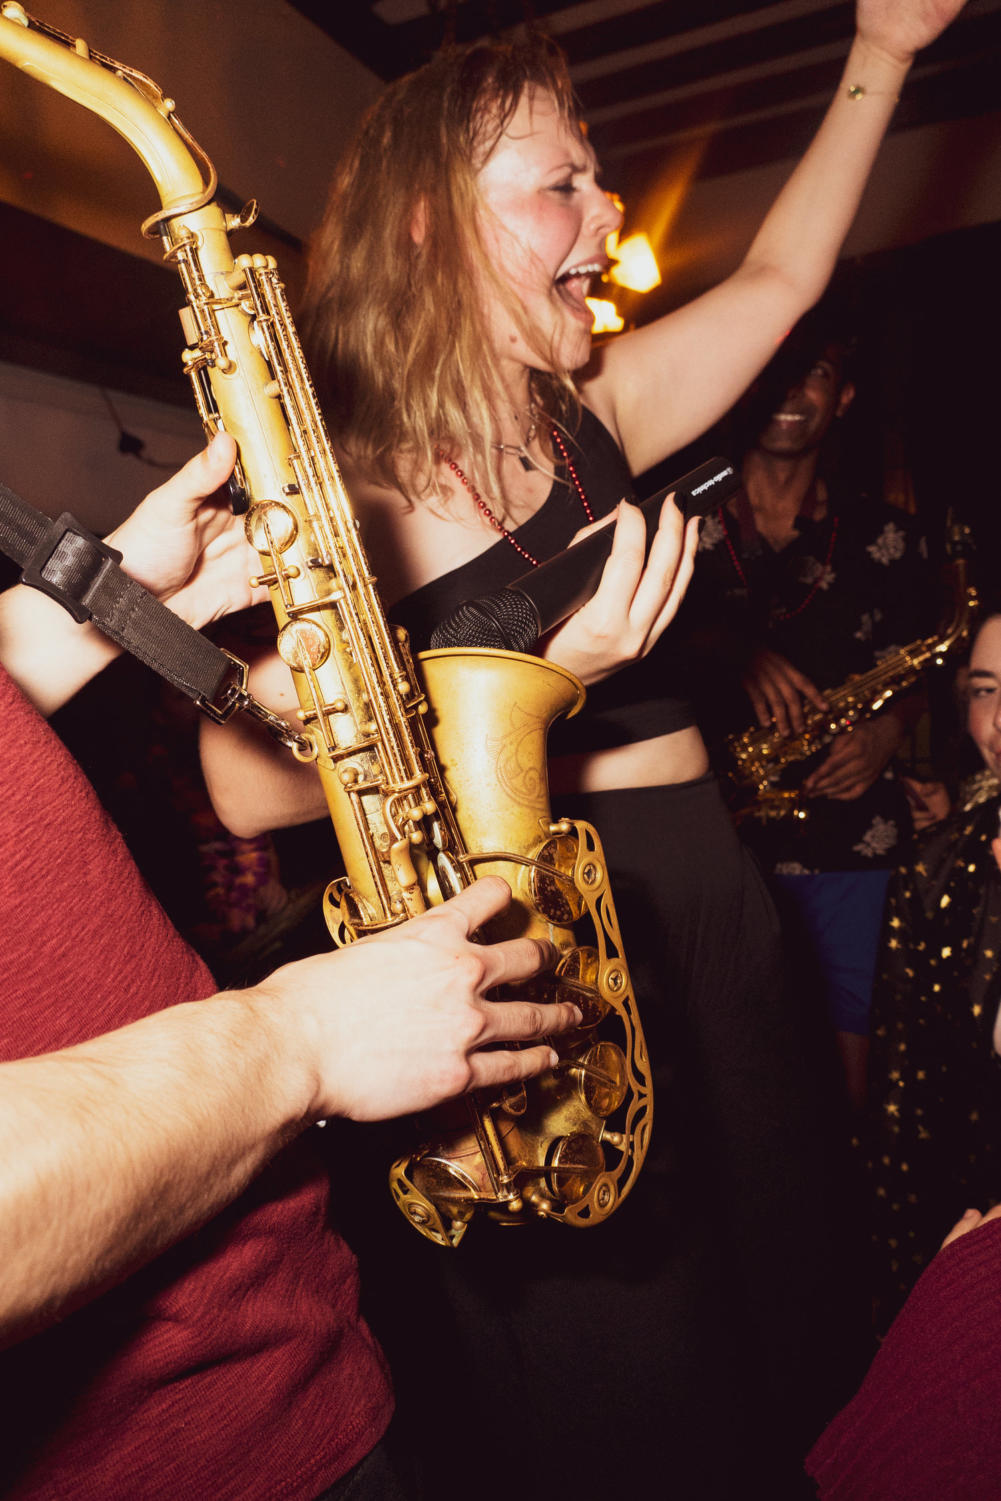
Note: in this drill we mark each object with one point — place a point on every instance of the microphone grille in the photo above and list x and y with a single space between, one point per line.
505 621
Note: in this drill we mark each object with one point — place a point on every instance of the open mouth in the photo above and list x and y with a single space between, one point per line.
574 284
788 419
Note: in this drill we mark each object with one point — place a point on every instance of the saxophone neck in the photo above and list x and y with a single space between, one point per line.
131 103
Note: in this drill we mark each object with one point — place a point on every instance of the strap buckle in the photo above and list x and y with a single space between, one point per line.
232 698
66 562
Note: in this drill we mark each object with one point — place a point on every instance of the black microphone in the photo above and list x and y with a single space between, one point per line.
515 617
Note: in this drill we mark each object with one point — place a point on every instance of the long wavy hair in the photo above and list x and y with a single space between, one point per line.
393 320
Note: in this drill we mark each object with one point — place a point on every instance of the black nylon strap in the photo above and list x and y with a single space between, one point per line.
81 573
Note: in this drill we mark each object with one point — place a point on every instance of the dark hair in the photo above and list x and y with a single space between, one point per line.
824 331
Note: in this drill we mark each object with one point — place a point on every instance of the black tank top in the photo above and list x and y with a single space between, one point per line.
637 702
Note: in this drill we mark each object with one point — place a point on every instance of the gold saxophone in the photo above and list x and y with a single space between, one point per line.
760 755
423 800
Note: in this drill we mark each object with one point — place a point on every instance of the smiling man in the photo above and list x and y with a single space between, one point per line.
806 582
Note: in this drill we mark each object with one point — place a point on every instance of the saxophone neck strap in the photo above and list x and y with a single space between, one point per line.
82 574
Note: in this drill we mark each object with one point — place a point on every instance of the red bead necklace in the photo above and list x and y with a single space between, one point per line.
575 478
781 614
495 521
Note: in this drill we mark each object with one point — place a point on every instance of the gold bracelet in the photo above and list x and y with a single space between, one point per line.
859 91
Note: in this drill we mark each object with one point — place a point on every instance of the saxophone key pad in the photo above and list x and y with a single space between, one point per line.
554 893
303 644
271 527
603 1080
575 1164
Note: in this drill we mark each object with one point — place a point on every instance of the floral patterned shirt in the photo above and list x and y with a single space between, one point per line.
847 591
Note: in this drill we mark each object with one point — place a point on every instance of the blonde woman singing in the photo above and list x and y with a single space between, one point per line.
693 1334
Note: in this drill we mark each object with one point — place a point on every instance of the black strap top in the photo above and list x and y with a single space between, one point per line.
635 703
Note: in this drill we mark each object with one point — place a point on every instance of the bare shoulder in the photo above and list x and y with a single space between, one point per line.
623 374
658 387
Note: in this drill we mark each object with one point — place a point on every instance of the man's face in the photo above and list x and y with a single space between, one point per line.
802 413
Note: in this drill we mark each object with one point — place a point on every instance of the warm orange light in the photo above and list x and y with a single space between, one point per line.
662 204
607 318
636 265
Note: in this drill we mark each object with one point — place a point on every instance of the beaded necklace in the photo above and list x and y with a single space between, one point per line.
782 613
495 521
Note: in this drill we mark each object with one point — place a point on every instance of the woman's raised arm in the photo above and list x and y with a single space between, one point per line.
661 386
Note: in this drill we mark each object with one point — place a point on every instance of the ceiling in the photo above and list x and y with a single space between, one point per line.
730 84
697 109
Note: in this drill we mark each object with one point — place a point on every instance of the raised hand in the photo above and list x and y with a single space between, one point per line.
900 28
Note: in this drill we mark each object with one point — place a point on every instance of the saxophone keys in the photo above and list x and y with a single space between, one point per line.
243 220
271 527
513 1099
410 902
270 580
539 1204
576 979
303 645
575 1164
553 891
448 873
602 1080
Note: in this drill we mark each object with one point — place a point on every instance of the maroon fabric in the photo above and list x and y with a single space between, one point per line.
925 1423
235 1366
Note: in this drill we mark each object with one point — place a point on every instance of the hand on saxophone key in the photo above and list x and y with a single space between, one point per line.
400 1022
777 690
182 543
856 758
186 546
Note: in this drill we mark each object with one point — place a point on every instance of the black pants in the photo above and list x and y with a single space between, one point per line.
383 1475
687 1336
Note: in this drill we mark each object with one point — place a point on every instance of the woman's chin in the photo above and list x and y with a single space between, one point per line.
573 347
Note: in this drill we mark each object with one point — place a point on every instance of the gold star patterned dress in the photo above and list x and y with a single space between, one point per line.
934 1125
